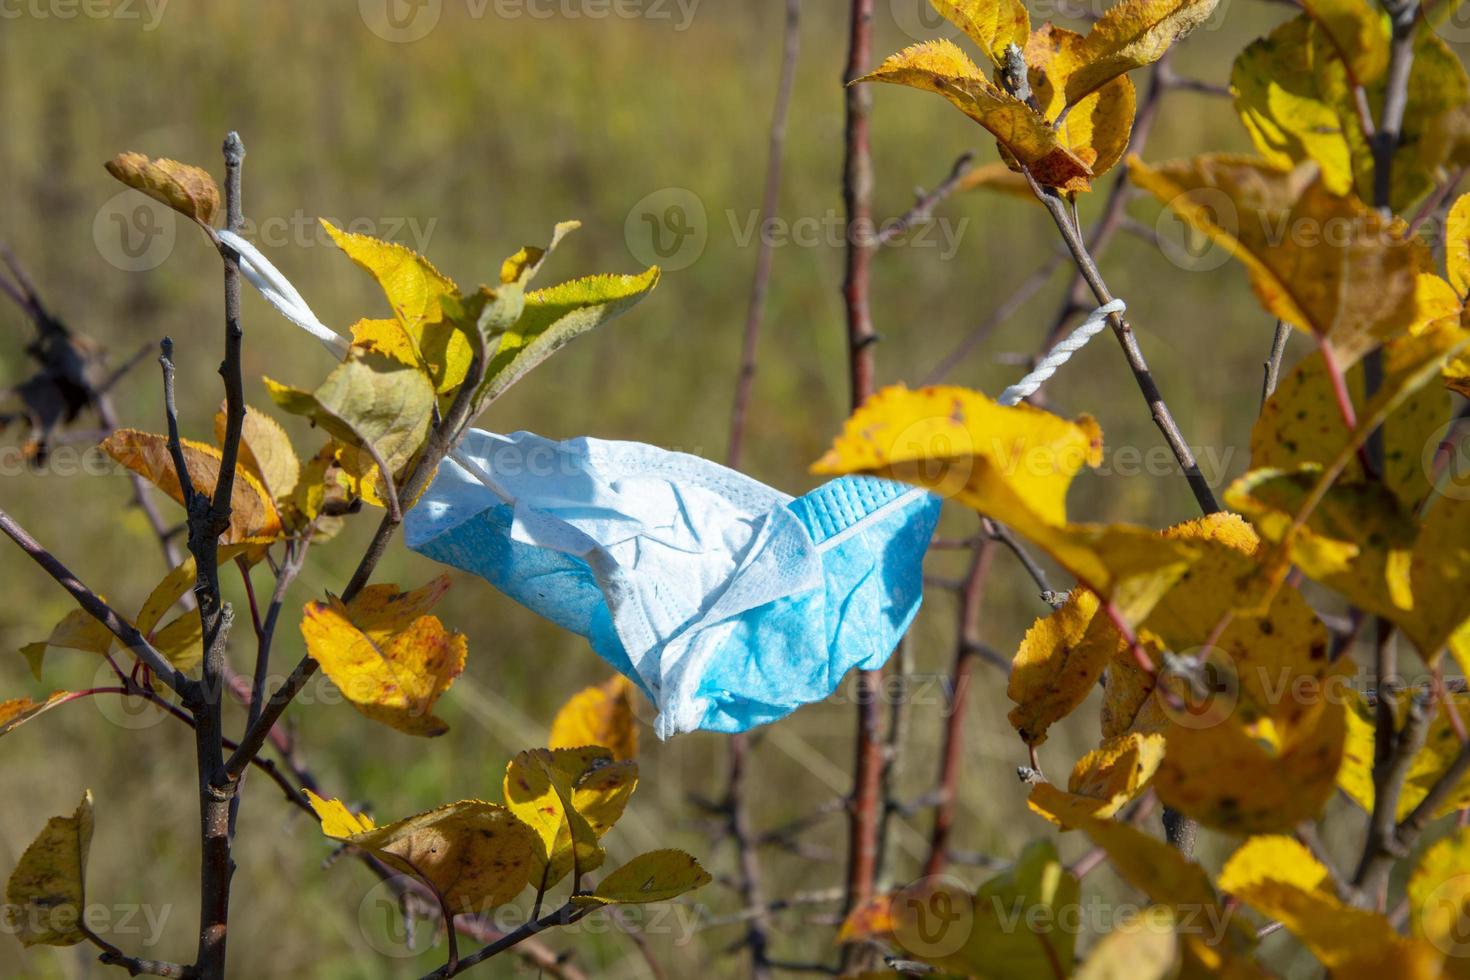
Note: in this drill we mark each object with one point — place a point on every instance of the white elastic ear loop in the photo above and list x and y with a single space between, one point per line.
279 292
1061 353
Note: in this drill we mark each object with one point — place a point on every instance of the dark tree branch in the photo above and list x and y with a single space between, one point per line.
94 606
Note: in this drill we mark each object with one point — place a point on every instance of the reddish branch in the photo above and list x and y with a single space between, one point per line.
857 188
967 646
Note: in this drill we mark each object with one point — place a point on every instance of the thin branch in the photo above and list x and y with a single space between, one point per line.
95 606
1393 754
750 347
563 916
952 757
1404 17
1272 368
1162 417
925 203
1002 312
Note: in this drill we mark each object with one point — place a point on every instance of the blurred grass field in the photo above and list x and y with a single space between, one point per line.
467 144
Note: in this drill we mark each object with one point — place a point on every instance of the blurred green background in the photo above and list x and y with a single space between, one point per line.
466 143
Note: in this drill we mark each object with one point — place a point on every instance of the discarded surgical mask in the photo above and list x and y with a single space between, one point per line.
730 603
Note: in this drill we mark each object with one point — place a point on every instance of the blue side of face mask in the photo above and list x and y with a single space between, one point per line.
728 602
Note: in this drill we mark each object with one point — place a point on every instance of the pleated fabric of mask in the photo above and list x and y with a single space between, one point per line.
730 603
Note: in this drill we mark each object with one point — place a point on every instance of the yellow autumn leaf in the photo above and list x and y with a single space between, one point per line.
1437 91
46 895
600 715
78 630
872 919
185 188
1221 947
1439 893
1441 747
1142 947
1357 33
1457 245
1058 664
382 611
476 856
393 679
419 334
1327 264
1280 878
1102 782
539 789
265 453
1247 779
253 514
656 876
18 711
941 67
601 793
1129 35
1014 464
337 820
1439 577
1276 96
1129 702
1097 127
994 25
1302 423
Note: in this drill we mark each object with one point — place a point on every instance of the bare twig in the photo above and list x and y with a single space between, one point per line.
791 47
925 204
1273 360
95 606
1162 417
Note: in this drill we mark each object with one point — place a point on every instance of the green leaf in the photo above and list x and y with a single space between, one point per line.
555 317
1278 100
657 876
370 401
